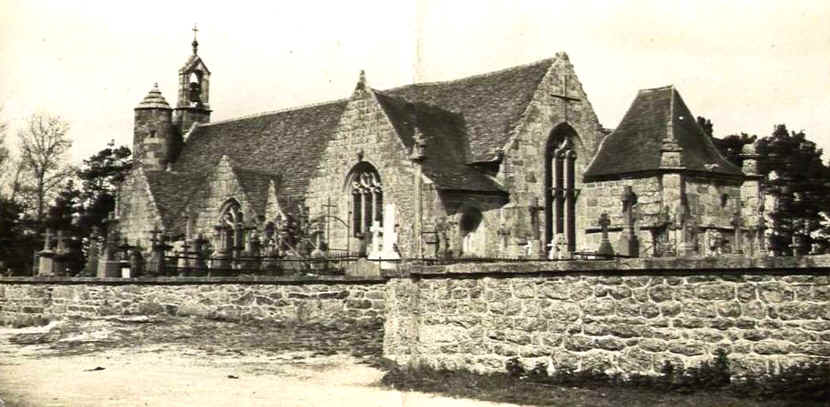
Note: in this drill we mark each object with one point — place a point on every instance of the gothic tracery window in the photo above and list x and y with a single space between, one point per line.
231 222
367 198
560 186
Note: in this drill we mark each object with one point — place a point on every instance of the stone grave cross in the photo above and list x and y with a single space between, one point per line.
628 244
47 239
605 249
377 231
390 238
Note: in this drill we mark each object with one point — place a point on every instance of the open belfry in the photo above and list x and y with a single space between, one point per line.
512 163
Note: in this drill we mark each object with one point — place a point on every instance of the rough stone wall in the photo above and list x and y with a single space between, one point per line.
706 200
629 322
606 197
153 137
523 168
221 187
136 210
23 302
364 127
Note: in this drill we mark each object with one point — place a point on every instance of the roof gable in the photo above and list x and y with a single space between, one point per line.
655 116
443 134
171 193
489 106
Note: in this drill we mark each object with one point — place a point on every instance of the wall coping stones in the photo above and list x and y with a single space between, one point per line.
246 280
728 263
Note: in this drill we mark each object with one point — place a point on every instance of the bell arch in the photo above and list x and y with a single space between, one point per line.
560 185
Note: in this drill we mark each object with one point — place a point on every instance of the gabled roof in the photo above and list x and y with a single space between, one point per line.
193 61
635 144
285 145
443 133
255 185
488 106
171 193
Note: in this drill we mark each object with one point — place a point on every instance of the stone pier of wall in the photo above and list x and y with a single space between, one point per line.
629 315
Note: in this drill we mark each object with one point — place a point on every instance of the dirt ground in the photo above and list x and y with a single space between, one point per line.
168 361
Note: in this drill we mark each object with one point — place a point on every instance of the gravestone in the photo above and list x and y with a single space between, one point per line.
605 249
628 244
737 223
377 232
92 254
46 257
390 238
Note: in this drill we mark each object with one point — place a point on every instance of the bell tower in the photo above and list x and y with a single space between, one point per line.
194 85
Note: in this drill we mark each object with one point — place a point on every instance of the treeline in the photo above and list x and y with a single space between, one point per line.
40 190
797 179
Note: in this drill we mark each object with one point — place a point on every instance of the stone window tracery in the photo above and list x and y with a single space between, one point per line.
560 187
367 198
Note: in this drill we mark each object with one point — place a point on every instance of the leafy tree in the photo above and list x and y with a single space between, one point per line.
729 146
100 176
798 180
43 149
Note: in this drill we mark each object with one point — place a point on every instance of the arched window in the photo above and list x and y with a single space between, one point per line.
232 230
560 186
366 193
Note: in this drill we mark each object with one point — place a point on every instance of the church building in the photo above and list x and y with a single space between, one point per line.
503 164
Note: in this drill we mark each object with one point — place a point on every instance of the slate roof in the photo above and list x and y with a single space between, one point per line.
635 144
283 145
463 121
171 192
446 148
489 106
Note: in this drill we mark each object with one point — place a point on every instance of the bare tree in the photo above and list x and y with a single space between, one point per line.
43 149
4 151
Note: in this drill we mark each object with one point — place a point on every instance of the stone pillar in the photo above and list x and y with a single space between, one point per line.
377 233
737 223
46 257
91 266
219 260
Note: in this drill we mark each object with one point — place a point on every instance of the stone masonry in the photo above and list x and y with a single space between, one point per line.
608 319
331 301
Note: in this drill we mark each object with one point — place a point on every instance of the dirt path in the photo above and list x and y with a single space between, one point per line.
72 364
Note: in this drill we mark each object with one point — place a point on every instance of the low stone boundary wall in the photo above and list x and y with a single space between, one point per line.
331 300
626 316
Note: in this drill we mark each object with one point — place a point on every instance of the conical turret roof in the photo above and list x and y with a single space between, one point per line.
153 100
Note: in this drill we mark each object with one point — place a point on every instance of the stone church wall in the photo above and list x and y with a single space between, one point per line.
626 316
606 197
364 129
523 167
221 186
136 211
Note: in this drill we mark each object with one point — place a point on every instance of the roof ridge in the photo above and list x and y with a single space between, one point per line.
470 78
284 110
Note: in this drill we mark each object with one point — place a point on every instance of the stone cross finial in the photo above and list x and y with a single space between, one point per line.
61 248
605 248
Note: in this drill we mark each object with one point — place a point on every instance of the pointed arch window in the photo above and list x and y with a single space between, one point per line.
560 186
367 198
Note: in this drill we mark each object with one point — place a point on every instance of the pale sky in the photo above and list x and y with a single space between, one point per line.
746 65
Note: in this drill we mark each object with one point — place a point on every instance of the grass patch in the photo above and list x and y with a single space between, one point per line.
703 386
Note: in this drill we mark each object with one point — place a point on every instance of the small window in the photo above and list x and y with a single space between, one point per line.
724 199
